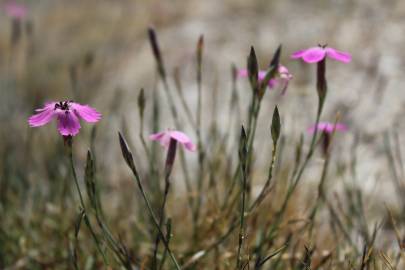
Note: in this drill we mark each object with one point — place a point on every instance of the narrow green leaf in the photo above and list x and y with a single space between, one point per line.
298 150
78 222
275 62
271 73
243 146
275 125
126 153
156 52
200 48
234 72
253 69
89 180
141 102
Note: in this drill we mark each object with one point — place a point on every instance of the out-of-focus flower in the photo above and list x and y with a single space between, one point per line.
327 127
284 76
317 54
16 10
67 114
165 137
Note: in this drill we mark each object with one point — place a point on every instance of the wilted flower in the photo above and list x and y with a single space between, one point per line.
67 114
165 137
15 10
284 76
317 54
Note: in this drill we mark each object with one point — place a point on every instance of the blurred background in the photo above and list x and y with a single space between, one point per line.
97 52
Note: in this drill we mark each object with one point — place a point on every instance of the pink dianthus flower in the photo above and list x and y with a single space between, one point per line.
327 127
15 10
67 114
284 76
317 54
165 137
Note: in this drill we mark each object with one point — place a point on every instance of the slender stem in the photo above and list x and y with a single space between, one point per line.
252 125
201 154
93 234
264 191
296 179
321 89
168 237
242 217
75 178
182 157
253 206
154 219
179 91
321 194
169 164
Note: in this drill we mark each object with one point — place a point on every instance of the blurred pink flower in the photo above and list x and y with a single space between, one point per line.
316 54
67 114
15 10
284 76
327 127
166 136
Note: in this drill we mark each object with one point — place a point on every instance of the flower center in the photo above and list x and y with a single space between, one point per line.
323 46
62 105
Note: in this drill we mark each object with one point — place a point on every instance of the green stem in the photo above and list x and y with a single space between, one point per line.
93 234
154 219
161 219
242 217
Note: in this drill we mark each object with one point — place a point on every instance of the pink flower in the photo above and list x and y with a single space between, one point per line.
316 54
284 77
67 114
166 136
327 127
15 10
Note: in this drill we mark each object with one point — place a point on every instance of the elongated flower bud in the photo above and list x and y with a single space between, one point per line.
156 52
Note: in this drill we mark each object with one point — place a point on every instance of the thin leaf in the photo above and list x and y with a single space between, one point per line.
275 125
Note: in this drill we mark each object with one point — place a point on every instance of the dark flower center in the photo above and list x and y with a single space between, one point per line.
323 46
62 105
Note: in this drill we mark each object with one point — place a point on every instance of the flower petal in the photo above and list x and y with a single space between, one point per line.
156 136
87 113
314 55
327 127
68 123
15 10
338 55
179 136
298 54
284 72
47 106
273 83
242 73
163 137
261 74
190 146
183 139
341 127
44 115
